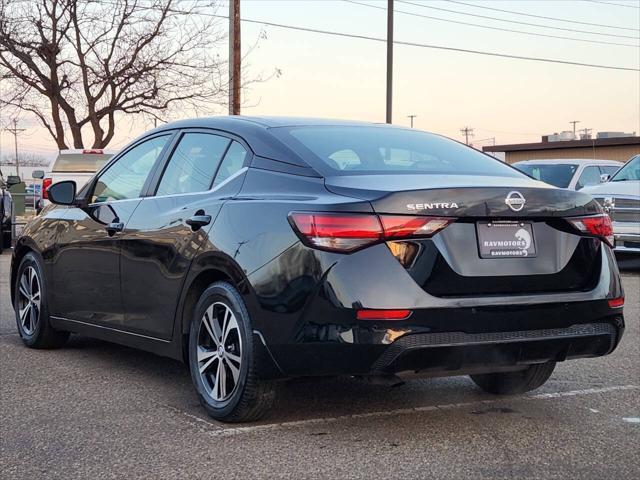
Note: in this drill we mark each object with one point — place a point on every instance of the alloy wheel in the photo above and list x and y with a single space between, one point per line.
219 351
29 298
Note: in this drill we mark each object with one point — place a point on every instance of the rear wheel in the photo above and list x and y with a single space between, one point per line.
31 309
511 383
222 358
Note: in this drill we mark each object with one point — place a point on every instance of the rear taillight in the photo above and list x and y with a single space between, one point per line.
46 183
596 226
401 227
347 232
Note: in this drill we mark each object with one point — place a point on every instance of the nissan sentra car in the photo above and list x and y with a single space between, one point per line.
259 249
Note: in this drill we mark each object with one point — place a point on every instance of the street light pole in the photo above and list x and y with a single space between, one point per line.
411 117
389 59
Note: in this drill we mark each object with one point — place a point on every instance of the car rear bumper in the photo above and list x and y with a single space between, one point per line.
438 342
627 237
310 327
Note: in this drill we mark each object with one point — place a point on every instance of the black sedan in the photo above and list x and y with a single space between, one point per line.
257 249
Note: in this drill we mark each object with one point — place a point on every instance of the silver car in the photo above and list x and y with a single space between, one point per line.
620 196
574 174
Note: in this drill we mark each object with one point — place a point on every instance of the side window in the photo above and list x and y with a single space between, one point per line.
125 178
233 161
193 164
589 176
609 170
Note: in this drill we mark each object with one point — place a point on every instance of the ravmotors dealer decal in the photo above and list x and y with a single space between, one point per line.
505 239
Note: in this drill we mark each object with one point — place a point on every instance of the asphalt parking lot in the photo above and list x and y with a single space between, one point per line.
96 410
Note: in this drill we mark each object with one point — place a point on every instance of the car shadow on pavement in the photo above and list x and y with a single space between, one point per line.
140 372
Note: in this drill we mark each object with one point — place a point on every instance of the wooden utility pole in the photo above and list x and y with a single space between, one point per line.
389 59
574 127
15 130
467 132
234 57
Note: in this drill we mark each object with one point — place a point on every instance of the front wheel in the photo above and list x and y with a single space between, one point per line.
222 358
512 383
31 309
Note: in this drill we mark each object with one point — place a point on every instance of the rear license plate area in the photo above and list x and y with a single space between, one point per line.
505 239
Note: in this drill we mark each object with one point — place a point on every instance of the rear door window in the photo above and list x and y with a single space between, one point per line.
193 164
232 163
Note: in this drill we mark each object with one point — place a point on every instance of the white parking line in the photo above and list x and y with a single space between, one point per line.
219 430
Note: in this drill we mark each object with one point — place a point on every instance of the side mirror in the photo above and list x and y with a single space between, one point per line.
62 193
38 174
605 177
13 180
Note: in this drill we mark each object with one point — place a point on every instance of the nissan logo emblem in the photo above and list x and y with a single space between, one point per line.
515 200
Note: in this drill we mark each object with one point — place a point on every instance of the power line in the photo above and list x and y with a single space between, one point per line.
541 16
590 32
420 45
426 45
611 3
492 28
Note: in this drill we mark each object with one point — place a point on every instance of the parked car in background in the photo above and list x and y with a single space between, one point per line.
573 174
6 212
33 193
76 165
620 196
258 249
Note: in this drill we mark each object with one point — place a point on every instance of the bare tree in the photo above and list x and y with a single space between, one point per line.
76 64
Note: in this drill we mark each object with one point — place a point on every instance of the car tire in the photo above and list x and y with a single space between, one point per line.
31 308
222 358
512 383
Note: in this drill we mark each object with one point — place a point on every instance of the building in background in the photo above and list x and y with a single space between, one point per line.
606 146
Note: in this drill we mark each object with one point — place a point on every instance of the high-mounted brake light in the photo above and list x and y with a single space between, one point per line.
596 226
46 183
347 232
382 314
96 151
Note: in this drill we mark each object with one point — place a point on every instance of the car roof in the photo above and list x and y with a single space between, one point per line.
571 161
239 121
255 131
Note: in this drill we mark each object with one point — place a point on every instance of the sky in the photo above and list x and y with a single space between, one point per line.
504 100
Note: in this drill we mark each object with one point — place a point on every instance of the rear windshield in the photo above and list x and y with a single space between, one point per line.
352 150
558 174
80 162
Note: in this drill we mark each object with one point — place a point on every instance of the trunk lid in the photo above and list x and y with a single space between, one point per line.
453 263
463 196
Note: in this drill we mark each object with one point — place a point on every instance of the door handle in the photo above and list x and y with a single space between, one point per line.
114 227
198 221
